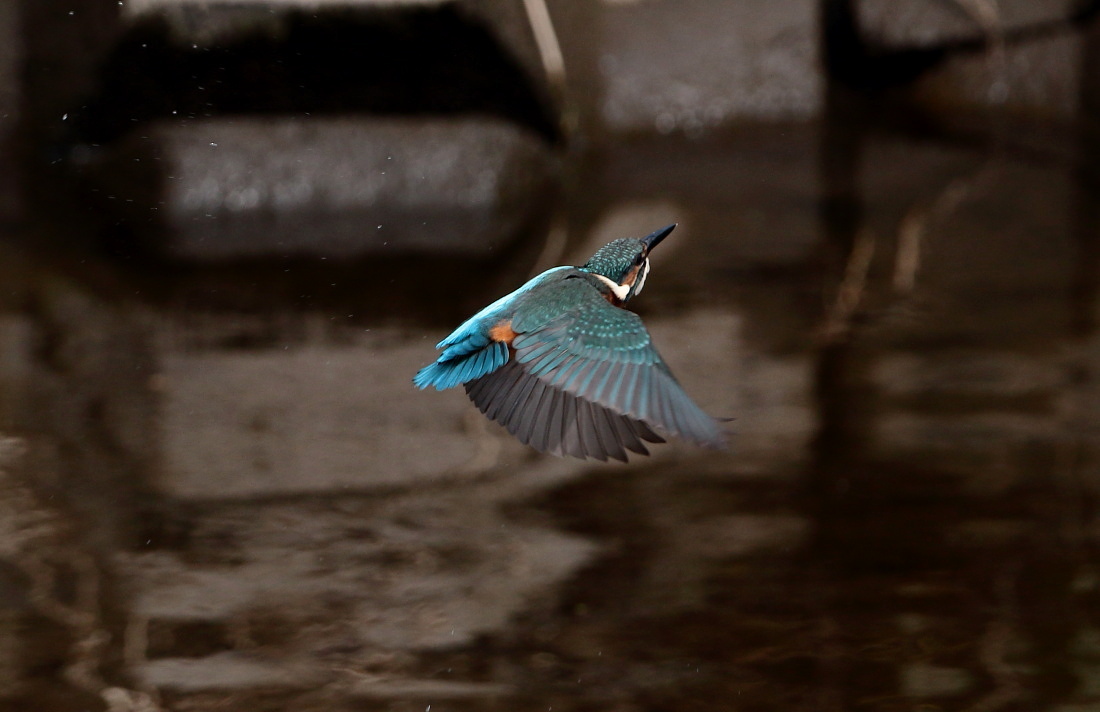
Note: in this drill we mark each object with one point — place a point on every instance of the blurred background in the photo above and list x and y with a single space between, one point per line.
231 231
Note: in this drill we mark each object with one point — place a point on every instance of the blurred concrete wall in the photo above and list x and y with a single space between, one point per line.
694 65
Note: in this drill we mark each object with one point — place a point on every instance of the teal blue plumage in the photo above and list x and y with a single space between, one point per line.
566 369
462 359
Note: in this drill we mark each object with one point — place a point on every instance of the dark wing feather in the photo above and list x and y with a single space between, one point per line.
586 430
556 421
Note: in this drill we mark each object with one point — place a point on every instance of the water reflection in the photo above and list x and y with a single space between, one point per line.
215 507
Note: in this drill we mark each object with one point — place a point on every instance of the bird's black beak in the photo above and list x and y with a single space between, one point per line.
650 241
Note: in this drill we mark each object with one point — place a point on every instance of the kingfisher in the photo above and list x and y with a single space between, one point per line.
567 369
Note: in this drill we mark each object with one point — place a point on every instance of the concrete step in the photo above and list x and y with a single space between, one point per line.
674 66
908 24
235 188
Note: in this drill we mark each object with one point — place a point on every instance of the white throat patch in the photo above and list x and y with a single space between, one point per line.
619 290
640 281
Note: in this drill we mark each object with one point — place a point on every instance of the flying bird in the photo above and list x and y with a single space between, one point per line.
567 369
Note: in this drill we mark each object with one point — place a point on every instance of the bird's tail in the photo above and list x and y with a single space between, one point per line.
450 372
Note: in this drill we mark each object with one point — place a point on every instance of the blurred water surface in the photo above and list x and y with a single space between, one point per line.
219 490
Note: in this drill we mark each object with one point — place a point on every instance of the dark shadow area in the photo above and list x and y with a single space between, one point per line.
424 61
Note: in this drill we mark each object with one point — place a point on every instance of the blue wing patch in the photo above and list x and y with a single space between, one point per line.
462 363
469 352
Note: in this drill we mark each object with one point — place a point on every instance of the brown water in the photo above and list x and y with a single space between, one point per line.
220 491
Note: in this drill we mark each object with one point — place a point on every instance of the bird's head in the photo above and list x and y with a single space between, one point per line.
624 264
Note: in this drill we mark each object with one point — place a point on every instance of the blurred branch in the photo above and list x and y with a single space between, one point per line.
985 13
546 39
850 294
987 16
913 227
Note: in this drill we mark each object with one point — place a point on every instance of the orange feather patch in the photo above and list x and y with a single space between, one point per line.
502 331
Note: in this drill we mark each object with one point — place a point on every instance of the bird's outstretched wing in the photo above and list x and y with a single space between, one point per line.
587 380
555 421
